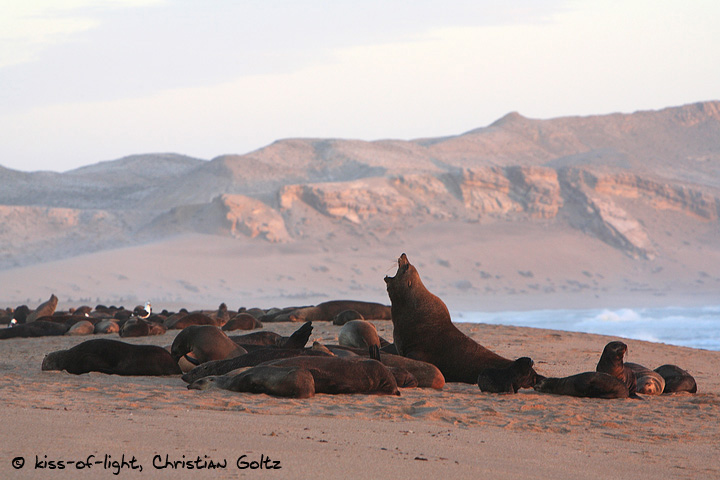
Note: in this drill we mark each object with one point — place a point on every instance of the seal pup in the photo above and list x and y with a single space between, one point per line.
648 381
611 362
112 357
45 309
677 379
508 379
335 375
290 382
587 384
359 334
203 343
423 330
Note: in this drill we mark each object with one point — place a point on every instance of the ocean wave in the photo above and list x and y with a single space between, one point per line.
697 327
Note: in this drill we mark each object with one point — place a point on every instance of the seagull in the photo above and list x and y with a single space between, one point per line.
143 312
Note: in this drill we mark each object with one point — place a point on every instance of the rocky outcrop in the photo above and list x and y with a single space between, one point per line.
230 215
499 191
602 175
356 201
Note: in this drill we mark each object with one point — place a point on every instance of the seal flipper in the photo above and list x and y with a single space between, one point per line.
375 352
300 337
191 359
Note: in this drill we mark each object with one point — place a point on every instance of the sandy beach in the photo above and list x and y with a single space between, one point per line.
457 431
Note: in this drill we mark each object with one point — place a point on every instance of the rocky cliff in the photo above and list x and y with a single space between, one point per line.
599 175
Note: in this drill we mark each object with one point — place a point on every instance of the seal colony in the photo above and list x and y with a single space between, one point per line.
428 350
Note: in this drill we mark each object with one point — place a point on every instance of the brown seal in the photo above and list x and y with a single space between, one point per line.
649 382
345 316
611 362
242 321
45 309
112 357
250 359
298 339
178 322
83 327
335 375
422 330
203 343
426 374
508 379
137 327
290 382
327 311
588 384
38 328
358 334
677 379
107 326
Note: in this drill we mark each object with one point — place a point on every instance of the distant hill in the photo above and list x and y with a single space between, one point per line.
640 183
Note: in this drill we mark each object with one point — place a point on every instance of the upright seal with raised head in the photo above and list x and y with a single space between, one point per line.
423 330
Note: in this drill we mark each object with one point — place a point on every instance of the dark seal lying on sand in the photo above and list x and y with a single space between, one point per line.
113 357
587 384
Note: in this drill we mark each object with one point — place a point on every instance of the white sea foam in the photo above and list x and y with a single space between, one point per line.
689 327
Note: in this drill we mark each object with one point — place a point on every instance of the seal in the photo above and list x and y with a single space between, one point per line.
203 343
250 359
359 334
178 322
83 327
426 374
345 316
298 339
107 326
45 309
508 379
20 315
649 382
611 362
335 375
290 382
112 357
137 327
677 379
327 311
423 330
587 384
37 328
242 321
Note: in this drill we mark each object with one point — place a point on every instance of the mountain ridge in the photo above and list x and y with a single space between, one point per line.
630 181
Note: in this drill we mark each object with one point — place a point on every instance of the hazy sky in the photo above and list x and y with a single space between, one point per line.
82 81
